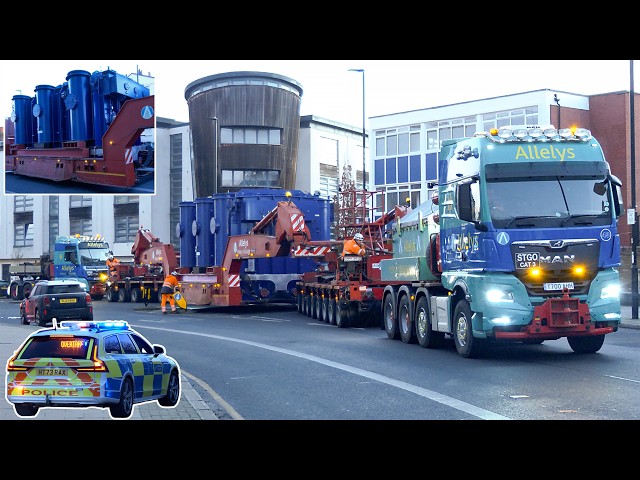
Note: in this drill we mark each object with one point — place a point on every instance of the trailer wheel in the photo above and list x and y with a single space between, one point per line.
136 295
124 295
323 310
331 312
315 304
586 344
299 301
405 321
342 314
111 296
427 338
389 317
466 344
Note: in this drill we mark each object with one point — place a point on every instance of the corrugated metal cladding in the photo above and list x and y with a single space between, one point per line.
237 100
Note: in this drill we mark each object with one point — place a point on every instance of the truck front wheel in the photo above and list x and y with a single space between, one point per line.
586 344
466 345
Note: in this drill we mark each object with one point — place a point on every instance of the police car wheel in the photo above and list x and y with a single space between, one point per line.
124 408
26 409
173 391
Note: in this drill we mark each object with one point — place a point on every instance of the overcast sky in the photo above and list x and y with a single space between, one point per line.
331 91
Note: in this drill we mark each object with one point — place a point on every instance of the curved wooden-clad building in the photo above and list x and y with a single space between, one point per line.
245 128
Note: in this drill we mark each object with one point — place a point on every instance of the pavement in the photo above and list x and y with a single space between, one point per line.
191 406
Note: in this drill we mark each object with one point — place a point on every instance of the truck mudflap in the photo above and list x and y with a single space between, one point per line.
557 318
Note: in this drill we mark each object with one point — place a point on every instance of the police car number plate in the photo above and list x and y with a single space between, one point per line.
68 300
558 286
52 372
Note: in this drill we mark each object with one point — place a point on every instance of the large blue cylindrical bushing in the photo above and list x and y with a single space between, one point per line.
22 118
224 215
187 237
43 112
58 114
78 103
205 241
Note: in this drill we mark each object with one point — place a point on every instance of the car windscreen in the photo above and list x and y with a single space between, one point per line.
58 346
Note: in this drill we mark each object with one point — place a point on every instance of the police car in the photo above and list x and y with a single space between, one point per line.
90 364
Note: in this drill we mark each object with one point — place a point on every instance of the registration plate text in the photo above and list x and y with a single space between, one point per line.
558 286
52 372
68 300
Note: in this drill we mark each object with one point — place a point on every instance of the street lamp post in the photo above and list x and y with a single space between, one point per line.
215 153
364 135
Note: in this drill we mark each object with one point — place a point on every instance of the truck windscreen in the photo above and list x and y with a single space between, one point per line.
543 203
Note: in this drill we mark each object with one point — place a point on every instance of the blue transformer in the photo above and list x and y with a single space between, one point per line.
22 118
80 109
43 112
185 234
225 214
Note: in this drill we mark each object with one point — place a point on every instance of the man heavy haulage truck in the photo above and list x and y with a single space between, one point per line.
523 247
76 257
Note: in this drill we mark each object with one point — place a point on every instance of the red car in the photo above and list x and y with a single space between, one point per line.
59 299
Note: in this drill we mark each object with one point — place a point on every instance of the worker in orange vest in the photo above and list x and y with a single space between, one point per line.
354 246
112 263
169 286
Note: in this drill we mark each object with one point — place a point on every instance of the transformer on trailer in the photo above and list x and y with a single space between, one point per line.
87 129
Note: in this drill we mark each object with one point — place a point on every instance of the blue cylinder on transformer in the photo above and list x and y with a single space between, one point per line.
43 112
204 238
78 103
186 235
23 120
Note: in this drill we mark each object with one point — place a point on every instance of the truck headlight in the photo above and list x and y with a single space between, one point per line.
499 296
610 291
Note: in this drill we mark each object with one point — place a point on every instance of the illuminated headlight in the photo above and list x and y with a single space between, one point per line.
499 296
501 320
611 291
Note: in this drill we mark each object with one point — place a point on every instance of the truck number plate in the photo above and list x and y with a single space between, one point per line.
558 286
527 259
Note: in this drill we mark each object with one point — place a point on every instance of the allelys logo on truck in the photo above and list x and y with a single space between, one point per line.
532 152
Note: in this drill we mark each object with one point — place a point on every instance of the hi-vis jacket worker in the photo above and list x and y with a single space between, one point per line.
112 262
168 287
355 246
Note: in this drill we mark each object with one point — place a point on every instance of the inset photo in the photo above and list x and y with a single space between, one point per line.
78 129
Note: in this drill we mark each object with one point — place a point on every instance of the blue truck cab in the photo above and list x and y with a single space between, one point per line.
529 244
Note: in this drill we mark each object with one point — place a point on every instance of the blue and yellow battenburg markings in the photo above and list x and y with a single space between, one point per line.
149 378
